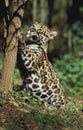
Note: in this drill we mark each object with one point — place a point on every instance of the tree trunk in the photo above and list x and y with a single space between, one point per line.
11 49
34 10
44 11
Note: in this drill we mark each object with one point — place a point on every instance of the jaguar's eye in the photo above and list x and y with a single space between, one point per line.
34 37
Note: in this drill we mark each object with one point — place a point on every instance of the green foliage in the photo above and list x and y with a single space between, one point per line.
81 9
16 74
77 28
70 72
77 33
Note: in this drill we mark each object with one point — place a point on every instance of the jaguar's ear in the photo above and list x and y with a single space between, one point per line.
52 34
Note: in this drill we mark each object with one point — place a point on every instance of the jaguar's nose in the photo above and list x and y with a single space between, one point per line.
34 37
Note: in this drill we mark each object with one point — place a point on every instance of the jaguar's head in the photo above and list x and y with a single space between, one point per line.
37 36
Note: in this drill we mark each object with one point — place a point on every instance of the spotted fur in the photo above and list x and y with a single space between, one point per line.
40 79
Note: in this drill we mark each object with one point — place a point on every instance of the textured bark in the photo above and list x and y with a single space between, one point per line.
34 10
44 11
11 49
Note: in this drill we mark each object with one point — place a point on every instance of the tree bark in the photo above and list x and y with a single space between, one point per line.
44 11
11 49
34 10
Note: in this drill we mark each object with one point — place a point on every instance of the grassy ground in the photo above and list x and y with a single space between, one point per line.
26 113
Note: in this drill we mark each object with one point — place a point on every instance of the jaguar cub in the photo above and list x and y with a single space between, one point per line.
39 77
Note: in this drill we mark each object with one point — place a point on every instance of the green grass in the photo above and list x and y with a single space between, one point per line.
69 119
47 121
